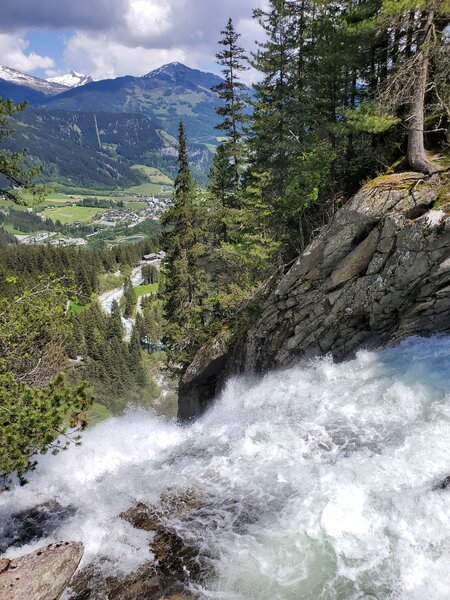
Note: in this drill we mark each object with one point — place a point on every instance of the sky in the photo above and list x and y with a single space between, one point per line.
110 38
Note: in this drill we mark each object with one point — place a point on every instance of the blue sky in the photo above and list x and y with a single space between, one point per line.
109 38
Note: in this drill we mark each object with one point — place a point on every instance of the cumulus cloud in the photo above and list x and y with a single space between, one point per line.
13 52
118 37
103 57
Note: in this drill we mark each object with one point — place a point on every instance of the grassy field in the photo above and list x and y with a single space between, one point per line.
10 229
70 214
10 204
156 179
148 189
135 205
143 290
154 174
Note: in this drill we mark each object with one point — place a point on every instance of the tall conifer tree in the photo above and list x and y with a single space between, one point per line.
183 242
232 59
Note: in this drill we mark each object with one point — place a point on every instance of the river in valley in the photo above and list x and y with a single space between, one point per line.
321 481
107 298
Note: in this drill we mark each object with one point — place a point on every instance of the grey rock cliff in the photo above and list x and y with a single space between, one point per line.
379 272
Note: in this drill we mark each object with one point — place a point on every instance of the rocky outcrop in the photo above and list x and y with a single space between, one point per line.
379 272
178 560
41 575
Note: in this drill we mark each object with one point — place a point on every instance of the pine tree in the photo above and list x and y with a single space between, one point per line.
183 242
270 130
12 170
232 91
222 187
114 322
129 298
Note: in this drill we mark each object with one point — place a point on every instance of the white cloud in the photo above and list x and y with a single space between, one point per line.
152 33
13 53
145 17
103 57
130 36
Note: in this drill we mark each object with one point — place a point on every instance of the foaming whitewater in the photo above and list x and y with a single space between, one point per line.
320 481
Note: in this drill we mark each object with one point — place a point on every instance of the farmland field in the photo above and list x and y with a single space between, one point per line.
156 179
71 214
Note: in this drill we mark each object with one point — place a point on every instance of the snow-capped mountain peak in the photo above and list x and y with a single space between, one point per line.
72 79
30 81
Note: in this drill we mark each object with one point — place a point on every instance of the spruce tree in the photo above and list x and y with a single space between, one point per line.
129 298
270 130
233 94
183 242
222 187
114 322
12 171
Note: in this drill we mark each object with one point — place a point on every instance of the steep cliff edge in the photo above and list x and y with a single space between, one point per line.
379 272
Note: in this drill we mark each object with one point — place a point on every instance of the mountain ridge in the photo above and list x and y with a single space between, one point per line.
71 79
38 84
168 94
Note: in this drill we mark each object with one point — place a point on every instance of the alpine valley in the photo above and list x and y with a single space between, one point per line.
111 124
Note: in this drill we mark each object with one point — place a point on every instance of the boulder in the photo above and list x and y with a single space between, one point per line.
377 273
177 560
41 575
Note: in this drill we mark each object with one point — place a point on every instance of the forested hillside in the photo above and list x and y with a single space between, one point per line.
166 95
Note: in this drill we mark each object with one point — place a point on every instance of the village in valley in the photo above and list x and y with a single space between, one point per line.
82 216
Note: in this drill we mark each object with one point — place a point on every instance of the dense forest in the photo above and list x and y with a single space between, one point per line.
82 266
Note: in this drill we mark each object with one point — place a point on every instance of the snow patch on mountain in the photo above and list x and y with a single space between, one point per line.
49 88
72 79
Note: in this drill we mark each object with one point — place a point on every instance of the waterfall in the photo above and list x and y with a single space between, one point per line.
320 481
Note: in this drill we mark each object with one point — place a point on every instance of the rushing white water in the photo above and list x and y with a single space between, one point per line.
107 298
319 481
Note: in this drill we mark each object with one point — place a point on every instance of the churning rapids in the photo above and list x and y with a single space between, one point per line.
321 481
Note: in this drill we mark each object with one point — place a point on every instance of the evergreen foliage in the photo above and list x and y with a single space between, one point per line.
36 404
13 175
129 298
344 90
112 366
83 265
232 92
150 274
184 287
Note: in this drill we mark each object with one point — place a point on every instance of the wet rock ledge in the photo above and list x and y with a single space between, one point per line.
41 575
379 272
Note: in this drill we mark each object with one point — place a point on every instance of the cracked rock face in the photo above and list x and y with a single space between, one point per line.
379 272
40 575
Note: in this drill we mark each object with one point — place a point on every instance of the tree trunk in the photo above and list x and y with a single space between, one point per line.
416 154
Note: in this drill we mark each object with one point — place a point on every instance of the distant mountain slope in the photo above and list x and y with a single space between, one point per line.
97 149
20 93
68 145
72 79
166 95
47 88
